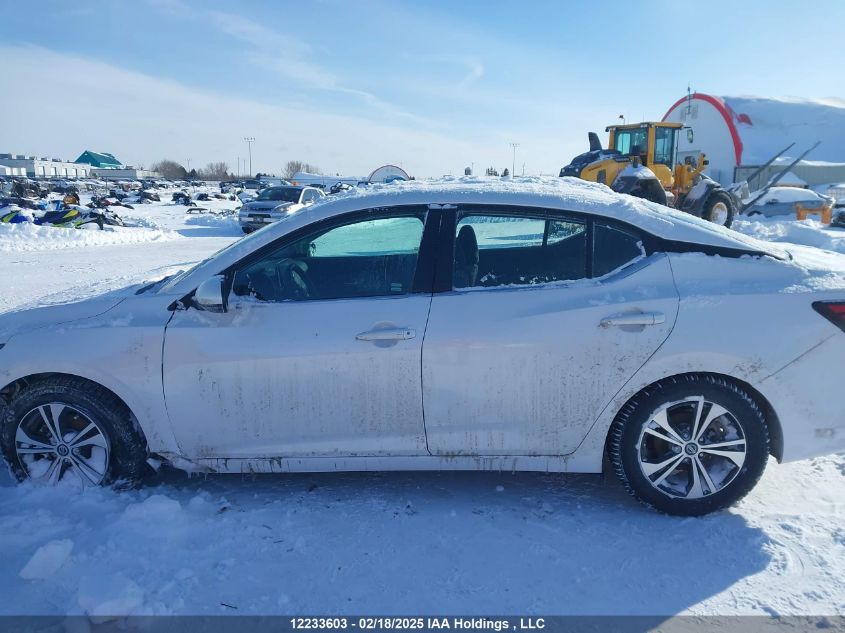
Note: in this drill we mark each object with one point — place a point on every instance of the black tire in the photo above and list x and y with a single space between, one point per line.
716 199
247 230
624 442
127 464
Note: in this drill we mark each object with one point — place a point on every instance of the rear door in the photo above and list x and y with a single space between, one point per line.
537 329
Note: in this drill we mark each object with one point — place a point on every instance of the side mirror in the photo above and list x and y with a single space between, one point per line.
209 295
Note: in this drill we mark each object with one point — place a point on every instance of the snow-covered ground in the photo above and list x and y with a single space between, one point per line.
389 543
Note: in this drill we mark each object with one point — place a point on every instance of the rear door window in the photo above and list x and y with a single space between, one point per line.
504 250
613 248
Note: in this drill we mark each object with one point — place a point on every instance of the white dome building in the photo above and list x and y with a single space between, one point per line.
740 133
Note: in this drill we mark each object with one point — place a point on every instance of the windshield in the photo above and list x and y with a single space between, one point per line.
280 194
630 142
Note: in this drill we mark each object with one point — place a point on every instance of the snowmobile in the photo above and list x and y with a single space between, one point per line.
181 197
102 202
338 187
63 217
77 217
13 214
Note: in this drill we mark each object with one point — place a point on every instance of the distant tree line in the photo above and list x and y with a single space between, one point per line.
294 166
172 170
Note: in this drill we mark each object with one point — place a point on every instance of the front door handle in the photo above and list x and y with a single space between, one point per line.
637 318
392 334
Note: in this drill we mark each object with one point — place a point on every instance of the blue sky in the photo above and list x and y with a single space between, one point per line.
435 86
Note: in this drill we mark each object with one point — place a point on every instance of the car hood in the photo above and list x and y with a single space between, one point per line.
29 319
265 205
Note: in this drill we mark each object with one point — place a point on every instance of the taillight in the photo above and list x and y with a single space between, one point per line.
833 311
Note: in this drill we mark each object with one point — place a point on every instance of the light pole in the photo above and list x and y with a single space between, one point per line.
513 165
249 141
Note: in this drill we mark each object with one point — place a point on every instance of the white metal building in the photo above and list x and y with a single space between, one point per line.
45 167
740 133
124 173
7 171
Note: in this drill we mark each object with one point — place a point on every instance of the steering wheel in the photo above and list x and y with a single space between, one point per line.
292 275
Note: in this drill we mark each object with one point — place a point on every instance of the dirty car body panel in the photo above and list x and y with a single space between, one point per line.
401 368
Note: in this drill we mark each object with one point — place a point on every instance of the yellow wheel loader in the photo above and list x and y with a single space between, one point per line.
641 160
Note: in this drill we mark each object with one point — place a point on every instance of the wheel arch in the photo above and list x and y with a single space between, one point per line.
769 414
8 392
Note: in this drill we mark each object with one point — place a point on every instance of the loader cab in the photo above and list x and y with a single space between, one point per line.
654 144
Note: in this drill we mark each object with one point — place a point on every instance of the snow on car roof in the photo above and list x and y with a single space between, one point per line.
567 194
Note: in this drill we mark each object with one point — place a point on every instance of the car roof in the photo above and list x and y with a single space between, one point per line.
564 194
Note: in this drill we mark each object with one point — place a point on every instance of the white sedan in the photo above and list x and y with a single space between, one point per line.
467 325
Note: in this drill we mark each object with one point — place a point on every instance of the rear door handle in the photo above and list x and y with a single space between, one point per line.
393 334
638 318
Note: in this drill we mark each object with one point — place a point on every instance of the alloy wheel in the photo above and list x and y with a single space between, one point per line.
691 449
54 440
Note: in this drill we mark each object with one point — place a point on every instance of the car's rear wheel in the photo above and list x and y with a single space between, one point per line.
68 429
690 445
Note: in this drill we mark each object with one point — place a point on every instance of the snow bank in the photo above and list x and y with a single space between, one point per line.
808 232
392 543
16 238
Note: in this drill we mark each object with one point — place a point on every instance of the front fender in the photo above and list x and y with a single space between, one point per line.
123 353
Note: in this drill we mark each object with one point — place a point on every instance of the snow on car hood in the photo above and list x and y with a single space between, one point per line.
33 318
265 205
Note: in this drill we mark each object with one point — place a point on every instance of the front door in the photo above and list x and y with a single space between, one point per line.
318 353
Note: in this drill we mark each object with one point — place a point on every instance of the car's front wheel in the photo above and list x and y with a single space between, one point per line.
690 445
66 428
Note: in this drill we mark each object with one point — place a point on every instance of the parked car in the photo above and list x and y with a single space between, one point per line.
252 184
782 201
274 203
540 327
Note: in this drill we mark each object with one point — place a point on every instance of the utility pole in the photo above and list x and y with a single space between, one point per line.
513 164
249 141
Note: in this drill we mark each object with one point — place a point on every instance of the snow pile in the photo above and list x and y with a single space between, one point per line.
786 194
30 237
216 220
809 232
47 560
393 543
